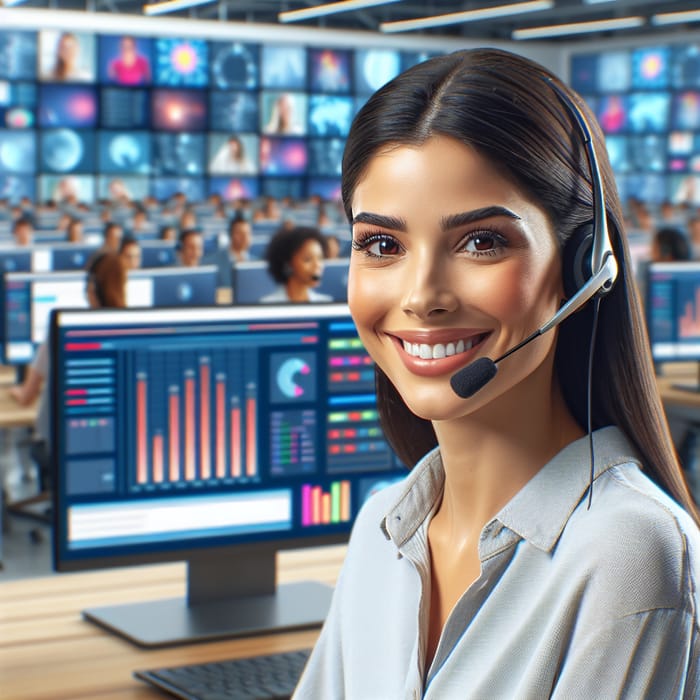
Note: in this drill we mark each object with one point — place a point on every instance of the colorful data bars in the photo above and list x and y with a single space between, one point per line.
319 507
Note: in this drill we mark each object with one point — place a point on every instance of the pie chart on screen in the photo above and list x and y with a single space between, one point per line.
287 377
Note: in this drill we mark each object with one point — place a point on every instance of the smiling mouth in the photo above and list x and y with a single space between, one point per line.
439 351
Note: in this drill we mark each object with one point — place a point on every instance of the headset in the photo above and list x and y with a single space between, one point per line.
589 264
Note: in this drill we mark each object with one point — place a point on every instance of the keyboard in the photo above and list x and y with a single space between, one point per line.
267 677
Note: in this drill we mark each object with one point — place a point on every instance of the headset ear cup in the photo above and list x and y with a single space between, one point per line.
576 262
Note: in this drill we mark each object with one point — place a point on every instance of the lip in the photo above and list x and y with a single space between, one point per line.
436 367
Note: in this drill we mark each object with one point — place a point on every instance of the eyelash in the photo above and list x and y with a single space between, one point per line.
363 242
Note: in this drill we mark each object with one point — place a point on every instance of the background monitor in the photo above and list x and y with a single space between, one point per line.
30 297
334 280
234 65
330 70
67 151
673 312
251 281
67 105
181 62
178 110
125 60
17 152
241 431
18 55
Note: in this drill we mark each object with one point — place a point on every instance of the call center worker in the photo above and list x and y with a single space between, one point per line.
500 568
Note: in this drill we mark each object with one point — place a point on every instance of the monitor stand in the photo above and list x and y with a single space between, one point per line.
229 594
684 386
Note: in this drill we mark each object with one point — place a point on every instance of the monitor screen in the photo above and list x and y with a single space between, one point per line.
179 110
17 152
374 68
241 431
283 156
330 115
234 66
181 62
67 105
30 297
125 60
685 110
649 111
181 153
651 67
67 151
614 72
283 113
66 56
673 311
164 188
124 108
17 104
124 151
18 55
283 67
234 112
233 188
330 70
685 66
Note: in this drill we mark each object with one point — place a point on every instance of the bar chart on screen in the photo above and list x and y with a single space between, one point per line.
195 418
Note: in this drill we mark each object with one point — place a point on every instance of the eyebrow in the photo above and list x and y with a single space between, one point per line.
447 223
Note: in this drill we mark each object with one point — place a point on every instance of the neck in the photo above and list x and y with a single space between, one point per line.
297 291
509 441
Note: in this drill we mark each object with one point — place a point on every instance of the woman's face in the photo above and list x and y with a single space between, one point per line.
450 262
68 48
307 264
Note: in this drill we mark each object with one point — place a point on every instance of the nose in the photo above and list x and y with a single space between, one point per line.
429 292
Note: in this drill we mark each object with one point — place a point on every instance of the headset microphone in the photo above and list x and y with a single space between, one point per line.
474 376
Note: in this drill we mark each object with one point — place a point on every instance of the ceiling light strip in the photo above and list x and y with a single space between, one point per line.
676 17
467 16
578 28
162 8
329 8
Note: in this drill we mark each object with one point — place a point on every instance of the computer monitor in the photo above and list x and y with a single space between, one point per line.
29 298
673 313
158 253
251 282
14 260
217 436
71 256
334 280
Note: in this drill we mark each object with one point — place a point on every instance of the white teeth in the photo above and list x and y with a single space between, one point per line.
437 351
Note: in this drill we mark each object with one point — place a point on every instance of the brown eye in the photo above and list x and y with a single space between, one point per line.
482 242
384 246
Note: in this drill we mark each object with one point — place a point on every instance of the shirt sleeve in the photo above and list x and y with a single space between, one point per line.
645 656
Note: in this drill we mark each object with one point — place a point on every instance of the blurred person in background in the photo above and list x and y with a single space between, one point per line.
190 247
112 236
295 261
130 252
240 235
74 231
23 231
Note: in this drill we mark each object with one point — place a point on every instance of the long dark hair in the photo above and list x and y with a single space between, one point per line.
499 104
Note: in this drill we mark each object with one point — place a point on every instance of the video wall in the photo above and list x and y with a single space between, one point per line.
647 101
95 115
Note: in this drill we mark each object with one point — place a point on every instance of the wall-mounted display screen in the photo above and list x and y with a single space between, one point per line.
178 110
67 151
647 101
126 60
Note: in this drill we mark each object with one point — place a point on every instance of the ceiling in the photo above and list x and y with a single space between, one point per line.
369 19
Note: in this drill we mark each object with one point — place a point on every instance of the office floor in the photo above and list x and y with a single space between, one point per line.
25 545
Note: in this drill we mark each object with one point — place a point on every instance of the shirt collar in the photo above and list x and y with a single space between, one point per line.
538 512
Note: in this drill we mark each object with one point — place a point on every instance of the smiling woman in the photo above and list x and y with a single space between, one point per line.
488 573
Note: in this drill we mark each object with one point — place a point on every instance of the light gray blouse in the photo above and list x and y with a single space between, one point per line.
571 603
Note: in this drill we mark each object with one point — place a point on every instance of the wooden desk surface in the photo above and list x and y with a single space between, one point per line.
48 652
12 415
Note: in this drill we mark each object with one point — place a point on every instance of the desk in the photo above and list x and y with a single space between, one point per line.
48 652
12 415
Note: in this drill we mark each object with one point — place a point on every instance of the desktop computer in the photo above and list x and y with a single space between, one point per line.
216 436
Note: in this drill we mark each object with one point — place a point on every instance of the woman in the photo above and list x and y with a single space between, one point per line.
295 261
489 573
